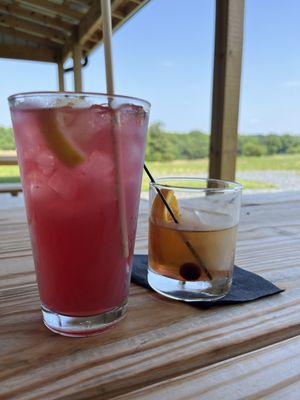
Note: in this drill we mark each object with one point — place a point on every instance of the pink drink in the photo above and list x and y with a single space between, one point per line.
73 207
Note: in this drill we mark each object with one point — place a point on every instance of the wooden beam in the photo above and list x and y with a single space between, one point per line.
56 9
226 88
118 14
78 2
92 21
77 68
138 2
12 188
27 36
52 22
8 160
60 72
84 2
26 53
33 28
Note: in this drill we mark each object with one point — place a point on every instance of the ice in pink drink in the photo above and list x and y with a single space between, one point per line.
69 175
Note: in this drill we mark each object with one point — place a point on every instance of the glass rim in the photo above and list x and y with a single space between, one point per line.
232 185
74 94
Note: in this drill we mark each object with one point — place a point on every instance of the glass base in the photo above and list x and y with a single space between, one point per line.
189 291
82 326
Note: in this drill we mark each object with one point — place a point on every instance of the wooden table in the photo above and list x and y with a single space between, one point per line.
163 349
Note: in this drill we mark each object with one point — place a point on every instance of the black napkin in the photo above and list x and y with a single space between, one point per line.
246 286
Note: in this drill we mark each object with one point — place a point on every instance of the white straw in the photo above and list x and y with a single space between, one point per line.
107 35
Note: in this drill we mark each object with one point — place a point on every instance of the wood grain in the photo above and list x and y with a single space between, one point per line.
160 339
270 373
60 75
23 53
56 26
226 88
77 54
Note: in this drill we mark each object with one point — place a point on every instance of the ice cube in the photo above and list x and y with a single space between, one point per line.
188 219
38 193
99 173
130 114
65 117
204 220
87 128
64 183
46 162
70 102
100 165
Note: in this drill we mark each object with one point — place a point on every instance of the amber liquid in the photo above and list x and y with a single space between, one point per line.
170 256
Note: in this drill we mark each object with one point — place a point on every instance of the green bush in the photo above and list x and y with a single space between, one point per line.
165 146
254 149
273 144
294 150
6 139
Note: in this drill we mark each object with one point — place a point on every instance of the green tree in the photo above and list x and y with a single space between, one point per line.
294 150
159 145
273 144
254 149
6 139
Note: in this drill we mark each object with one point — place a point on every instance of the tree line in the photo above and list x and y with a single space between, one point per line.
167 146
6 139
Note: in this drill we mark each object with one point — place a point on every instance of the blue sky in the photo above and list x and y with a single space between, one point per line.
165 55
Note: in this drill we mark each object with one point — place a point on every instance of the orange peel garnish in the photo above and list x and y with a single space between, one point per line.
159 211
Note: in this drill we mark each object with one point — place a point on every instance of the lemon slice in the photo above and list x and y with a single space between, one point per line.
57 143
160 212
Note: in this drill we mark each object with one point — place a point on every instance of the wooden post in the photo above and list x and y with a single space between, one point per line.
77 67
60 70
226 88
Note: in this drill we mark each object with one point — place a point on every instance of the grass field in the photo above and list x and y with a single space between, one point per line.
199 167
285 162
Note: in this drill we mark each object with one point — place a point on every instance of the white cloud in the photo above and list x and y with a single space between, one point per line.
291 84
167 63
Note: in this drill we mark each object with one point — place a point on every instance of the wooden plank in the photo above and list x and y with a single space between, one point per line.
13 188
86 2
32 38
8 160
142 349
271 198
34 28
45 20
77 67
82 4
118 14
25 53
60 73
138 2
269 373
54 8
226 88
